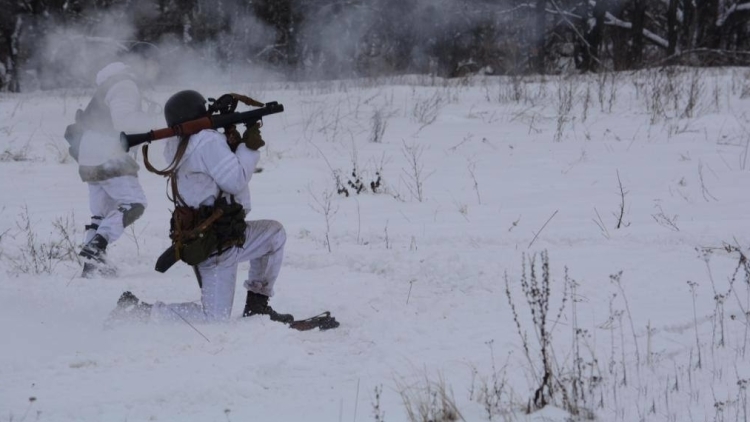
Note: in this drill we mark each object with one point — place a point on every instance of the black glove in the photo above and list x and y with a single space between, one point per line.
252 139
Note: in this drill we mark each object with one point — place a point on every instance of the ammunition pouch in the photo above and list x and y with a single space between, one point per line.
195 251
200 233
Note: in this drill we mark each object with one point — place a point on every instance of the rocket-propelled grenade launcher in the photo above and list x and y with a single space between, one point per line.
191 127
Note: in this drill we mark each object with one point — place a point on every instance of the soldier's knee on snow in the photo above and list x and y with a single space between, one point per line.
131 212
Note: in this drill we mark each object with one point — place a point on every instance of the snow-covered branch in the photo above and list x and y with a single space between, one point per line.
722 19
654 38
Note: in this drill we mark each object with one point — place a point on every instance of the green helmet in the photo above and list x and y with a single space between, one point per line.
184 106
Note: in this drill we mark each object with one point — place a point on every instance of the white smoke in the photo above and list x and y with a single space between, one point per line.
227 43
71 55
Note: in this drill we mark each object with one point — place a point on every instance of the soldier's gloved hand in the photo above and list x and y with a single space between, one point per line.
233 137
252 139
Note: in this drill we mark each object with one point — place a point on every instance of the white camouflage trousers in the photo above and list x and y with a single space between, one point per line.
264 248
108 200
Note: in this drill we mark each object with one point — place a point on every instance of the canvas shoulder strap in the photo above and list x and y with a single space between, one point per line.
170 172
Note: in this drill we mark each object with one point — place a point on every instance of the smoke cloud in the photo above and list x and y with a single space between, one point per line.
70 55
224 41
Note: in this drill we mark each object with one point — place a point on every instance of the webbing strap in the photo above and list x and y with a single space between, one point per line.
170 172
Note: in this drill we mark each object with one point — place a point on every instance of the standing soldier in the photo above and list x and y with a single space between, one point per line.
116 198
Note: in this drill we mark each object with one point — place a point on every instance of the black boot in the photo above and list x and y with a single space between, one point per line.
257 304
127 299
130 308
95 249
94 254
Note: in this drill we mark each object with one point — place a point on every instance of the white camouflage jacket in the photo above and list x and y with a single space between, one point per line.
209 167
100 155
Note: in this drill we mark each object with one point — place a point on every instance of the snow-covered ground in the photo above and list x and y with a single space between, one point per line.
477 176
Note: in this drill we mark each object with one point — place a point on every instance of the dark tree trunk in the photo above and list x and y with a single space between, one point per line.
688 25
639 21
620 37
595 35
11 62
541 33
672 27
708 32
741 40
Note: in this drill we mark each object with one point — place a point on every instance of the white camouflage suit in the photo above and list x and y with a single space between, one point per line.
112 173
208 168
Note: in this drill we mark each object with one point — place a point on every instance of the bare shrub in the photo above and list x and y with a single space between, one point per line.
707 196
15 155
745 152
665 220
606 90
581 382
565 94
377 411
745 91
513 89
613 86
586 102
356 182
601 83
40 257
537 291
656 95
573 384
600 223
324 206
426 110
671 92
616 279
312 113
415 174
693 285
377 184
377 129
66 229
621 214
430 401
742 269
494 394
472 166
694 93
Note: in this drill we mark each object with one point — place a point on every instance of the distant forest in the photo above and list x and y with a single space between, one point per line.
317 39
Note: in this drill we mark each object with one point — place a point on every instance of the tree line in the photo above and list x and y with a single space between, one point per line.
312 39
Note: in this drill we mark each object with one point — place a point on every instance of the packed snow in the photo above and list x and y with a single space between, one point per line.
634 185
